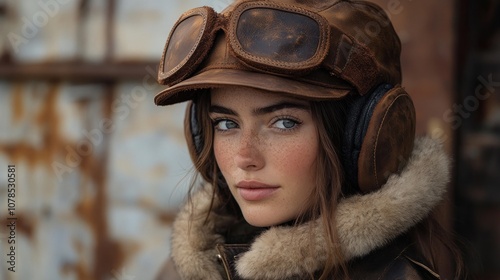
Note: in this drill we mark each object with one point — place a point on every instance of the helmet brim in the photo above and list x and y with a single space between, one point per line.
217 78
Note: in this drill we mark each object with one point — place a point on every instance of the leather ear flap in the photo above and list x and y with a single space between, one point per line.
192 131
388 141
358 118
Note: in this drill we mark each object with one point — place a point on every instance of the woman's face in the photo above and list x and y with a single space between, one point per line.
266 146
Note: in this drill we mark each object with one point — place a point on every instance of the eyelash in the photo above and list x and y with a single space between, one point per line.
216 121
288 118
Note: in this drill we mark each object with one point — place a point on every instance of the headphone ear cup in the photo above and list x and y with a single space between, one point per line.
358 118
193 131
389 139
380 132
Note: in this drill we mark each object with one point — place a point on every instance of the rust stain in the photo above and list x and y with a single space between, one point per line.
166 218
17 103
77 268
109 255
49 120
163 216
20 151
80 269
46 119
24 225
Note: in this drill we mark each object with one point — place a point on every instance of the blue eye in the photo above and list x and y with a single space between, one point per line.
286 124
224 124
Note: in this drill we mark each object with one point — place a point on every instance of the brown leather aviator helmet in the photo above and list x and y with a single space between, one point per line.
313 49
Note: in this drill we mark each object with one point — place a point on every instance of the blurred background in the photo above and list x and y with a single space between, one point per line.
101 171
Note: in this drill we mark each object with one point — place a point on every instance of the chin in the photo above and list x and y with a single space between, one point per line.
259 223
263 220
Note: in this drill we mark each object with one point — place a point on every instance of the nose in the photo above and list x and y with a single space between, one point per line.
250 156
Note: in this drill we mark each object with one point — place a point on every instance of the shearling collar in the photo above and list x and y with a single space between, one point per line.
364 223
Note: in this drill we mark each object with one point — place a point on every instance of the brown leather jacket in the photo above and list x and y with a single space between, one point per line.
371 231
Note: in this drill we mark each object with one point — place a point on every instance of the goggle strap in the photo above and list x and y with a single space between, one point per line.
361 70
341 46
345 60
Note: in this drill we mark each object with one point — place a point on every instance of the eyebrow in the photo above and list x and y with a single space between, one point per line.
263 110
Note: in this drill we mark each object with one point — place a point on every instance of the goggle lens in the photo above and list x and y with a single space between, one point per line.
183 41
279 36
264 35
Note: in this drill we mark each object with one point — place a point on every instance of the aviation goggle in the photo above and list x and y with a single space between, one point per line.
270 37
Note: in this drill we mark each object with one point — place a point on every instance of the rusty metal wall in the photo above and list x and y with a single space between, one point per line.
97 171
92 30
100 170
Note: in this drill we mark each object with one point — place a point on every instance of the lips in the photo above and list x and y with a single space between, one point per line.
255 191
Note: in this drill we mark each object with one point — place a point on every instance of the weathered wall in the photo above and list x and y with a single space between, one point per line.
97 179
100 169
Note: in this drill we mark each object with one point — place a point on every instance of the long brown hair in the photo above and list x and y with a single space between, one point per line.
330 118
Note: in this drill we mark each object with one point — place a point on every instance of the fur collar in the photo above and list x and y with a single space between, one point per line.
364 223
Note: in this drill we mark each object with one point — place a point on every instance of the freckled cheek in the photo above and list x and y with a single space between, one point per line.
224 153
295 158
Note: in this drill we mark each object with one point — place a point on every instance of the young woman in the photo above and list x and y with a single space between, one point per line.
299 126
